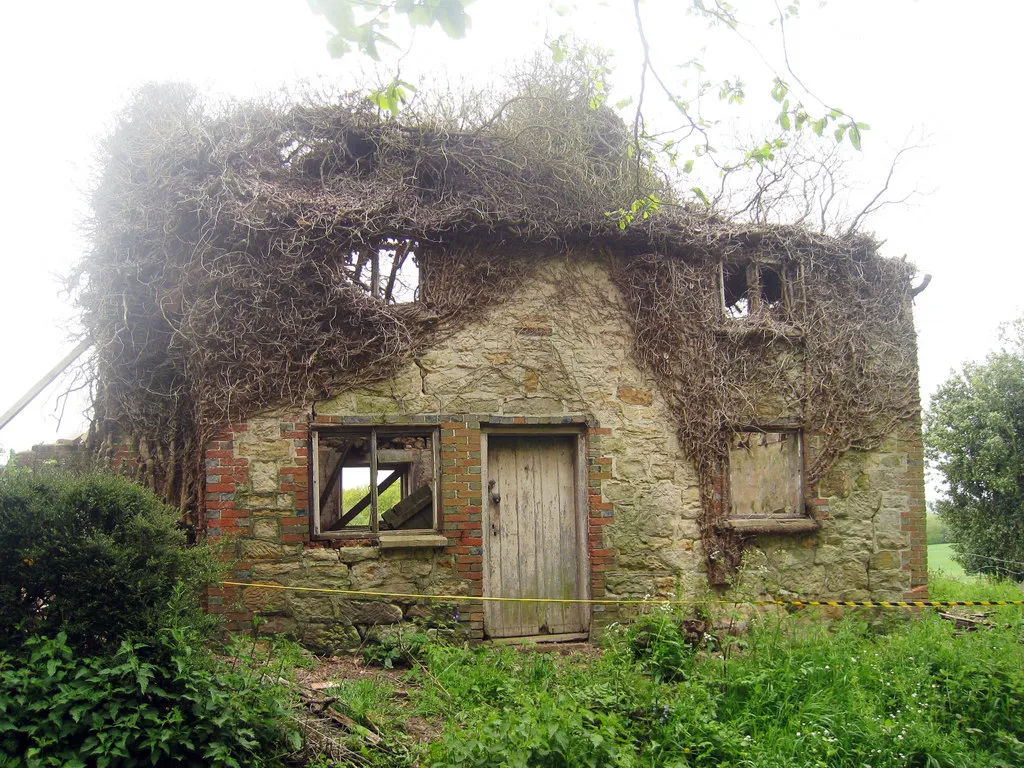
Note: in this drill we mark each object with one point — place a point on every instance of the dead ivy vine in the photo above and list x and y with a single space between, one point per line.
226 274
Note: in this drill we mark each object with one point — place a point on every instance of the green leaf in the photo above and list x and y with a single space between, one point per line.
421 16
818 126
784 121
855 136
780 90
559 50
337 46
701 195
339 13
385 100
688 166
452 17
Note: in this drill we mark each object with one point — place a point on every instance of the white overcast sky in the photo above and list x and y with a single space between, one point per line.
944 69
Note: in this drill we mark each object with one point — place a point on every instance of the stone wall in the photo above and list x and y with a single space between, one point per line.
557 352
70 453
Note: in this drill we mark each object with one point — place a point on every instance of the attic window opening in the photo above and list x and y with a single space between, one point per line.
766 474
388 270
374 480
752 287
735 289
770 281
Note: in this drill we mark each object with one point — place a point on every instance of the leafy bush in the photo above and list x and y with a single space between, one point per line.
104 649
663 642
94 557
58 708
396 649
547 732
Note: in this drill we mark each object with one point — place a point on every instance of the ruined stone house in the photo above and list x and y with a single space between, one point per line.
534 458
659 409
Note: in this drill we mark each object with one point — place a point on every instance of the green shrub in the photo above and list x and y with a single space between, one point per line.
396 649
59 708
94 557
662 643
544 732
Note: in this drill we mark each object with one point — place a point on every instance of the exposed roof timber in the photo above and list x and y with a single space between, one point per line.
44 382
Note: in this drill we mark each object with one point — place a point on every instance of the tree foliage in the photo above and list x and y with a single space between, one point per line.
94 557
975 440
104 649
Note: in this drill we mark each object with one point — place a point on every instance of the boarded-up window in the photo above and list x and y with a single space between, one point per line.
374 480
766 474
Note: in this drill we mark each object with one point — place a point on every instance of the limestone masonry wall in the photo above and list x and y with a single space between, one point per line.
557 352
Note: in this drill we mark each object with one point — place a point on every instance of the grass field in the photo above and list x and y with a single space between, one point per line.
940 558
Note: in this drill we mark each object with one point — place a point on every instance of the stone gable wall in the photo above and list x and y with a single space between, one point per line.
557 352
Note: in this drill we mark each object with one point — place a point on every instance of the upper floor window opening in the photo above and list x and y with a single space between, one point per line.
753 287
388 270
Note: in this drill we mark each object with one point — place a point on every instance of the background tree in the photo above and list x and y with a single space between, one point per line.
679 111
975 440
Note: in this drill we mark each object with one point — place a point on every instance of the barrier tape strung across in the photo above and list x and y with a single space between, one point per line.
362 594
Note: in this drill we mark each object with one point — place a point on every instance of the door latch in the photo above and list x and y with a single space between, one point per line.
496 510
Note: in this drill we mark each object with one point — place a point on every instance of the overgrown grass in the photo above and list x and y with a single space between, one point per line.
869 690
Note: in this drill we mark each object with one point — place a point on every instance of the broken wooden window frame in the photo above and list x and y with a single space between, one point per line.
375 461
754 272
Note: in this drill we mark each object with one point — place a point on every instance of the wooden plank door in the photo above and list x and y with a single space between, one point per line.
531 536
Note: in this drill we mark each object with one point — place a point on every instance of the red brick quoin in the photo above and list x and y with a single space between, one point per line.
228 517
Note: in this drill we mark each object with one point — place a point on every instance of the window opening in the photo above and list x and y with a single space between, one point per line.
770 283
389 270
735 289
766 474
375 480
750 287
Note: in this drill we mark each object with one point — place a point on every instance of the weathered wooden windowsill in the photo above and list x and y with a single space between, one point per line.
413 541
774 526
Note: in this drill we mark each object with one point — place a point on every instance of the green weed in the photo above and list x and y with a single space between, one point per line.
58 708
800 693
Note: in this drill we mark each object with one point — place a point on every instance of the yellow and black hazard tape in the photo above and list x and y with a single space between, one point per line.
368 595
